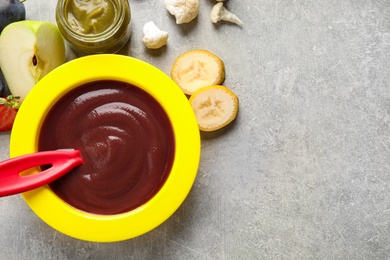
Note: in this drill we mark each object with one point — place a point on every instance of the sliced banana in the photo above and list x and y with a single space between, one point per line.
197 68
214 107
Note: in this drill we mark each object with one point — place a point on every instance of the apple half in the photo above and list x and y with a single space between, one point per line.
28 51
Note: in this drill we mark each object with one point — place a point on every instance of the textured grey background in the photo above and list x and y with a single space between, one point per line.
303 173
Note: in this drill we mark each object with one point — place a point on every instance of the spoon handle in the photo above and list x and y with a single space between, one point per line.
13 182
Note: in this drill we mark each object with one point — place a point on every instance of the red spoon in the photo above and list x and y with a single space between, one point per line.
12 182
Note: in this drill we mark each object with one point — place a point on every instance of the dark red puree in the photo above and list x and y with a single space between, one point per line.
125 139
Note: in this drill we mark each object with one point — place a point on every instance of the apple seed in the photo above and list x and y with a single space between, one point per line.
34 60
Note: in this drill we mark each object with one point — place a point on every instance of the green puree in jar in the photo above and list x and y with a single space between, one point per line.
90 17
94 26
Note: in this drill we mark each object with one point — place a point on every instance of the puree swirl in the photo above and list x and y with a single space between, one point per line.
126 141
90 16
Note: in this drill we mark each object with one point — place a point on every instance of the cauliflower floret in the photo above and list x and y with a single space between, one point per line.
154 38
184 10
220 13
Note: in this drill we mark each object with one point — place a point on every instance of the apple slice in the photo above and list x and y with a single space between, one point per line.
28 51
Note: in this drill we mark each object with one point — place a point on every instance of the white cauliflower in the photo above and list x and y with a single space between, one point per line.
220 13
184 10
154 38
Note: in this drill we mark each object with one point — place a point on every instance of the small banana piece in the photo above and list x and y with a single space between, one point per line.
197 68
214 107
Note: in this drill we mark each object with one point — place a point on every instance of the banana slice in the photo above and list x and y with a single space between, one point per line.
214 107
197 68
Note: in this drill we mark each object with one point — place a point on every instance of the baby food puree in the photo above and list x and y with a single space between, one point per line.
125 139
94 26
90 17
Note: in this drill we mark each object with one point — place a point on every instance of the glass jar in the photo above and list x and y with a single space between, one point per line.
94 26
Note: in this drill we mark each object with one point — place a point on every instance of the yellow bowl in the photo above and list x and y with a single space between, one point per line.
109 228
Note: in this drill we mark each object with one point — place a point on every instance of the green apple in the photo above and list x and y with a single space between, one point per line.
28 51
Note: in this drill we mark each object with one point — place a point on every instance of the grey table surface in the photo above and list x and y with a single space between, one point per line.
303 173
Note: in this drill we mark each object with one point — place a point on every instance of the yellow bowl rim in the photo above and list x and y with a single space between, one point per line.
110 228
